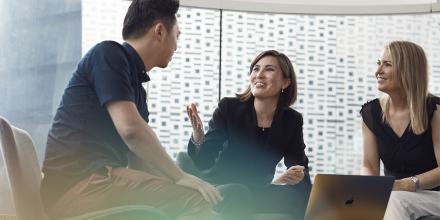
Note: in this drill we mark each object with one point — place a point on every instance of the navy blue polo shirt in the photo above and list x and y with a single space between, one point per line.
83 139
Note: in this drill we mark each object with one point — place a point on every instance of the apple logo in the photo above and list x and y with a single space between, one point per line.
349 201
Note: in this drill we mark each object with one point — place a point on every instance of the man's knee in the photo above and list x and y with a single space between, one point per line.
202 206
193 206
196 199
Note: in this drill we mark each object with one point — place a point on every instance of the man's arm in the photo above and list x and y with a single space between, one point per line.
141 139
136 163
143 142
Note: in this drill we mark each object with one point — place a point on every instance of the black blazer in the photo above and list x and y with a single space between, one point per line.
231 152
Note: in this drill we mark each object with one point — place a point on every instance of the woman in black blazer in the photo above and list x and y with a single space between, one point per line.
248 136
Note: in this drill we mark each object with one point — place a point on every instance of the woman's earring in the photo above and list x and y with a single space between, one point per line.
282 90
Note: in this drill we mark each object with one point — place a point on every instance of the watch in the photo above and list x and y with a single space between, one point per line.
416 181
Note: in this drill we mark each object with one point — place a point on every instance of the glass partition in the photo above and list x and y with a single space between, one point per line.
334 59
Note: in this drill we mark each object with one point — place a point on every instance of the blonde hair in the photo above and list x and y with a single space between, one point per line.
289 94
410 69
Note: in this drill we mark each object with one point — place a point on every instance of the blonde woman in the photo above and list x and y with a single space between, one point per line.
402 128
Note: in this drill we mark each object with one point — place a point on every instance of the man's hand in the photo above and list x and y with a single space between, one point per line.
209 192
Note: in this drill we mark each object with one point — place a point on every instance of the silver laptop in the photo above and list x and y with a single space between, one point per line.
349 197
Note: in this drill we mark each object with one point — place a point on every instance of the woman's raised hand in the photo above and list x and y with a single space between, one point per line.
198 134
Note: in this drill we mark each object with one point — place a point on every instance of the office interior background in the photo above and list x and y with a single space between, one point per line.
334 58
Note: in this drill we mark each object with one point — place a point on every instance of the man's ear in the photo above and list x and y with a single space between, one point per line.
159 31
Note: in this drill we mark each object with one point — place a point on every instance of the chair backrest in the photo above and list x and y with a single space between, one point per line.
23 170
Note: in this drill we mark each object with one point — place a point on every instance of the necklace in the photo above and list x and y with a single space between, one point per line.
264 125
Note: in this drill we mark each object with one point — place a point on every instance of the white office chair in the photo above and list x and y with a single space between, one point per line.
24 174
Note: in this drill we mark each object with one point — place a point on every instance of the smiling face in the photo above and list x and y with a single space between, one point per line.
267 79
385 75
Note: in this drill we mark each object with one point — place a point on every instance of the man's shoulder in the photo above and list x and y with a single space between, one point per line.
105 53
108 45
105 49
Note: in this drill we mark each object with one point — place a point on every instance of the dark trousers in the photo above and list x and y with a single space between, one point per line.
241 202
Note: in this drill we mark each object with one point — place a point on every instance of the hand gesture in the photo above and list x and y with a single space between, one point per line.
209 192
292 176
196 123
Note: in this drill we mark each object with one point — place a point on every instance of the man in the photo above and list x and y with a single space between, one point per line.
102 119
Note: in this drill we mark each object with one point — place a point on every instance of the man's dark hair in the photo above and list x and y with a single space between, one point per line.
143 14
